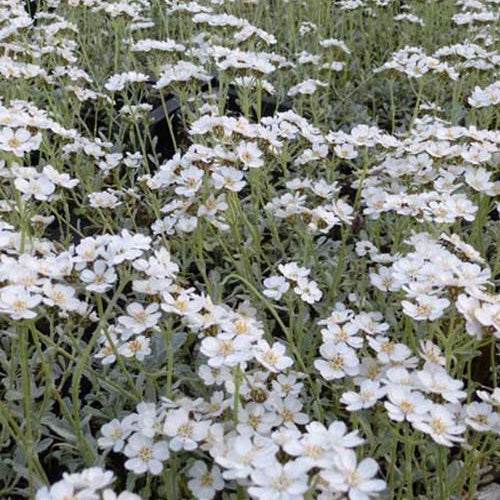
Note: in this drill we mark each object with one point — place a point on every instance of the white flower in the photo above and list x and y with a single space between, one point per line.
287 385
340 314
40 187
189 181
118 81
216 406
489 315
18 303
160 265
435 380
388 351
61 296
243 453
85 485
185 433
226 350
275 287
479 179
273 358
104 199
214 376
146 45
493 398
19 142
345 151
124 495
280 482
369 393
205 483
308 290
250 154
140 318
384 280
87 251
145 455
212 205
306 87
475 155
405 404
62 490
346 334
139 347
100 279
431 353
182 304
311 449
114 434
343 211
255 418
126 246
335 437
145 419
488 96
364 135
356 480
339 361
293 272
182 71
480 417
107 354
427 308
94 478
441 426
288 410
228 178
63 180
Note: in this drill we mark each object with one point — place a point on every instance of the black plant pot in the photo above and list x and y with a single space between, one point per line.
162 130
166 132
31 7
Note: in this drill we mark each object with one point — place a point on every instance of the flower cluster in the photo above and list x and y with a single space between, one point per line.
89 483
293 277
489 96
269 425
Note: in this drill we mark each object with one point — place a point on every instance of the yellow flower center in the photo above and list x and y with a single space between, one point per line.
337 362
146 453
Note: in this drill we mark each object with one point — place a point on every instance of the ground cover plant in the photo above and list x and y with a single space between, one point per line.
249 249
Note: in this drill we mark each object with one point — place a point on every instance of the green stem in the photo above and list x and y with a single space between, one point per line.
170 361
28 410
86 449
237 385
